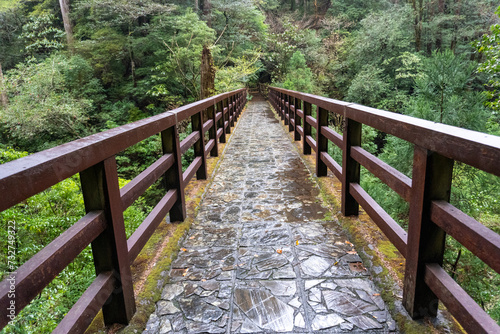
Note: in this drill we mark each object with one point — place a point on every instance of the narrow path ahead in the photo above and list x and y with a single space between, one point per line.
260 258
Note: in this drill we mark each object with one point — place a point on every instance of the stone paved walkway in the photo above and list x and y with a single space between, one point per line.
260 258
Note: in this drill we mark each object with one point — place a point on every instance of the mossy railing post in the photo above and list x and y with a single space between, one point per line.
199 146
173 176
220 108
297 120
212 132
432 175
101 191
306 148
321 142
350 167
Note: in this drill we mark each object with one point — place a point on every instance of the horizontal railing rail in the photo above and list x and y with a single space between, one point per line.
431 216
103 226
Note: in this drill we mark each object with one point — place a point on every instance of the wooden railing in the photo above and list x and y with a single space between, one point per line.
103 227
431 216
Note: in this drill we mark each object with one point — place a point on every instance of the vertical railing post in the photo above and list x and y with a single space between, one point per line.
287 109
431 180
243 101
101 191
199 146
321 142
278 103
282 106
236 107
212 132
350 167
291 115
306 148
173 176
297 120
220 108
225 105
231 110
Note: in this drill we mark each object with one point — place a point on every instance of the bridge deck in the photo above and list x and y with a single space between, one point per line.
261 257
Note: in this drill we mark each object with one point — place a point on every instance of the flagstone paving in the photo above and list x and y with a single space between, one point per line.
260 258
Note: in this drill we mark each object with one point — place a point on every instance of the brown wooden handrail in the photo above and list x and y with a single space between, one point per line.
102 227
436 147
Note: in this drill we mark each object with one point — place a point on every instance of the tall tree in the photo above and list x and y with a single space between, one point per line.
207 11
418 10
207 70
67 22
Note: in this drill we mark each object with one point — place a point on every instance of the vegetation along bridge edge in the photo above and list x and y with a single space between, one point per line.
436 148
103 226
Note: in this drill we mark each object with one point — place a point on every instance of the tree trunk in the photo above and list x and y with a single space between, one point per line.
207 12
439 34
418 12
67 23
3 93
458 7
196 6
207 70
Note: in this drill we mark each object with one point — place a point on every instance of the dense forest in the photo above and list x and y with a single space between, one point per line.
71 68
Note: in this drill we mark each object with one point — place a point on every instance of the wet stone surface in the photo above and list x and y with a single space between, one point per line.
259 258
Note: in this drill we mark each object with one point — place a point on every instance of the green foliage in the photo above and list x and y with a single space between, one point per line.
178 73
8 4
354 10
43 108
489 46
368 86
40 36
106 52
11 23
444 93
239 27
281 46
299 77
238 76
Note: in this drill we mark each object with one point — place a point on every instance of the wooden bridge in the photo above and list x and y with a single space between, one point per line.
436 147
